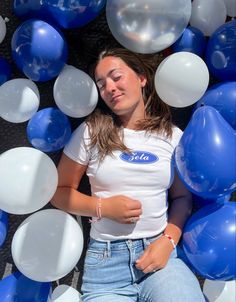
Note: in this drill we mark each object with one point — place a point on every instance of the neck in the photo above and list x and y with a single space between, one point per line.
130 123
130 120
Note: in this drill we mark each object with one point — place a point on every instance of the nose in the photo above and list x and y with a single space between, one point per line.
110 86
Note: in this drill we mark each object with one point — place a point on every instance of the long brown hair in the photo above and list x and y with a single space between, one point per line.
105 127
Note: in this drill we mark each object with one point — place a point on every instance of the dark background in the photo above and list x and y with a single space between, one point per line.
84 44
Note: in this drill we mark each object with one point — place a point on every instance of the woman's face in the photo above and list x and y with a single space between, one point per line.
120 87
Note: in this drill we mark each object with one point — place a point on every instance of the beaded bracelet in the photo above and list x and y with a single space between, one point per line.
171 240
98 211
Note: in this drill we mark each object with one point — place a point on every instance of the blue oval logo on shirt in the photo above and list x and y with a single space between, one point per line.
139 157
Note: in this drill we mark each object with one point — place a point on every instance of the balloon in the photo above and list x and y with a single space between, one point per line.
5 71
27 9
209 241
3 227
208 15
65 293
221 52
19 100
3 29
205 156
185 87
47 245
39 50
49 130
230 7
65 14
192 40
219 291
201 202
147 26
73 13
221 96
75 93
17 287
28 180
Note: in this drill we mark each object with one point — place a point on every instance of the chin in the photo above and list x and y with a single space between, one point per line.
120 111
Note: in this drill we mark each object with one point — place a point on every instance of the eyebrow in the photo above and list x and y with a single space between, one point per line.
109 73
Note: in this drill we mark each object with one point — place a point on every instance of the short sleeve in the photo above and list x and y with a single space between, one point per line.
77 148
177 134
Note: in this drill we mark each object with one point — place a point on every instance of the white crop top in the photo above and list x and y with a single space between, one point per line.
145 175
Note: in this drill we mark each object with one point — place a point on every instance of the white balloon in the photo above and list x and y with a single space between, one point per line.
208 15
219 291
75 93
47 245
230 7
147 26
65 293
19 100
181 79
28 180
3 29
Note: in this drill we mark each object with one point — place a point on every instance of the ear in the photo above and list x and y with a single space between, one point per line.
143 80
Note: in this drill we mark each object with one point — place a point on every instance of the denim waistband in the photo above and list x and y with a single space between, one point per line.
121 244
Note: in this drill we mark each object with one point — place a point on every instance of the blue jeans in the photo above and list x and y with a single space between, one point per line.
110 275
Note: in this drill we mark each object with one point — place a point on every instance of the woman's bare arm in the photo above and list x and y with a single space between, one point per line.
120 208
180 209
158 252
67 197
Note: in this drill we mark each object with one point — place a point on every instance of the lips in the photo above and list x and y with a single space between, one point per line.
116 98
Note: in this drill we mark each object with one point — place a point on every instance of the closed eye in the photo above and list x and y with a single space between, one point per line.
115 75
100 85
117 78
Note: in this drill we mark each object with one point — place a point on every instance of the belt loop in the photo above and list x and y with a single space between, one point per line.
108 249
146 242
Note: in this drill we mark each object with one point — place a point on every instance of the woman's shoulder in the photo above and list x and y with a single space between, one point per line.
79 136
82 130
176 135
177 131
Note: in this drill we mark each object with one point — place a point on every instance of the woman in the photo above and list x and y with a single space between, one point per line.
126 149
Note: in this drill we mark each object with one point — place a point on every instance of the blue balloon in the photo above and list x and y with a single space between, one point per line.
5 71
221 96
221 52
3 226
200 202
39 50
49 130
192 40
17 287
73 13
205 156
65 14
209 241
27 9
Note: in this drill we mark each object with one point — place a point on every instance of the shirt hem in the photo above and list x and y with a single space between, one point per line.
109 237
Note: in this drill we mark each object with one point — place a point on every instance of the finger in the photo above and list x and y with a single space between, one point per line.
150 269
133 216
145 264
135 205
134 213
132 220
143 261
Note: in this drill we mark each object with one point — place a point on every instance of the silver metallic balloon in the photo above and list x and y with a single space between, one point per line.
147 26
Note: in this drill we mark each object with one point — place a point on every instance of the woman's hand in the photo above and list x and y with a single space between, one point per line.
155 255
121 209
